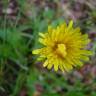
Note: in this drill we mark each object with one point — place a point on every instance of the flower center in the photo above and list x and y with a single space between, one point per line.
61 50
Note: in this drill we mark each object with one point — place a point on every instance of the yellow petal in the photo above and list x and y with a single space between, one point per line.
70 24
53 35
61 67
50 65
67 66
42 41
86 52
41 34
56 64
37 51
45 63
80 63
85 58
41 58
49 29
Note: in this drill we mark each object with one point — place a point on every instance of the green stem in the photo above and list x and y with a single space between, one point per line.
19 83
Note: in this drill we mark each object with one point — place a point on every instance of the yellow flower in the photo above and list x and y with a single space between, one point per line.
64 47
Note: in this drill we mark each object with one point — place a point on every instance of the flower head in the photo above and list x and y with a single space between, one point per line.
64 47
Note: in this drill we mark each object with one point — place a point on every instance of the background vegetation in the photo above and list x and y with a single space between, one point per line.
20 22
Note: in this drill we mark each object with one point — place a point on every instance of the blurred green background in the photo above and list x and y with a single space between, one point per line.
20 22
